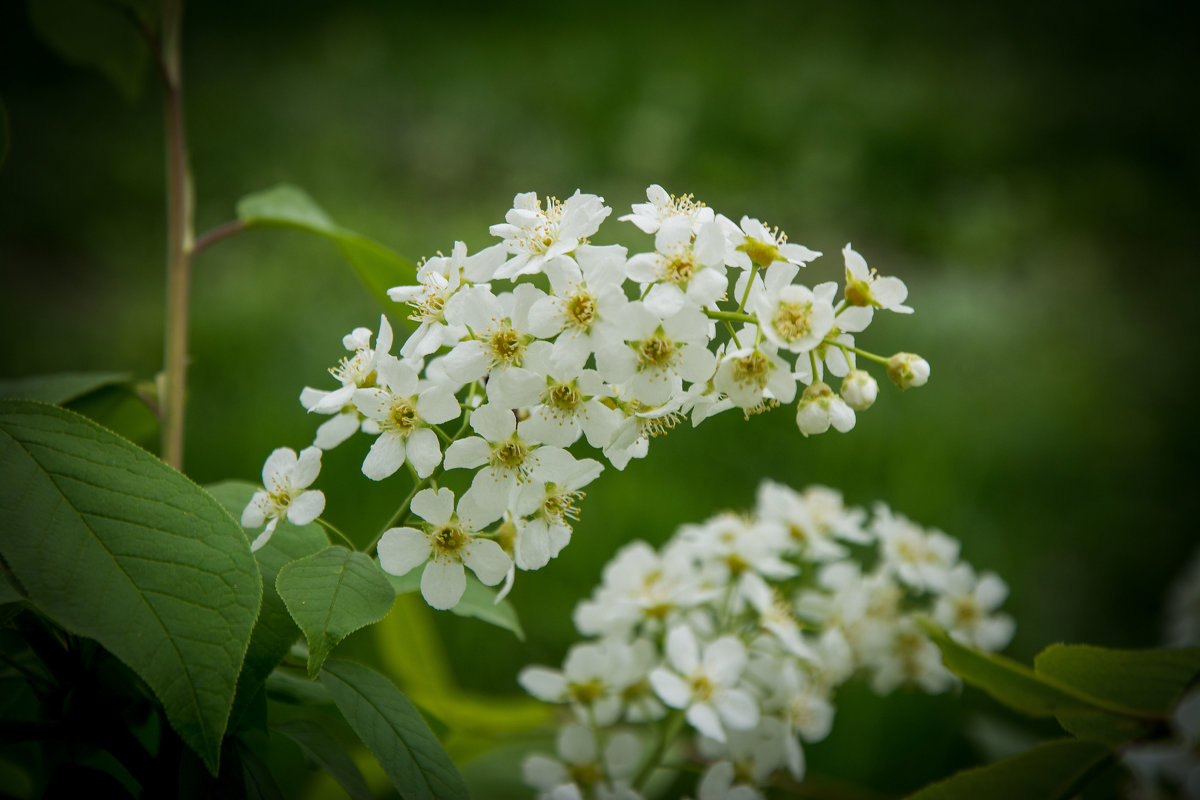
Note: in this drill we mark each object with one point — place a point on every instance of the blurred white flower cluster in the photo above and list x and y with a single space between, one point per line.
544 339
724 648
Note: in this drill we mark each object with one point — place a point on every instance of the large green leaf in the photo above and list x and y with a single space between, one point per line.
1016 684
1149 681
1051 771
393 730
96 34
331 594
287 206
324 751
116 546
478 601
60 387
275 632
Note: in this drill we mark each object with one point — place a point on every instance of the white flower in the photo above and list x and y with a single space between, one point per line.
570 404
500 334
546 510
918 558
659 355
907 370
793 316
662 207
718 783
285 477
686 269
965 609
402 417
354 372
587 307
819 408
755 243
866 288
582 770
593 676
535 236
511 456
706 683
748 375
437 280
449 540
909 657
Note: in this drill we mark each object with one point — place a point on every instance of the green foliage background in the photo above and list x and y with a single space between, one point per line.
1029 169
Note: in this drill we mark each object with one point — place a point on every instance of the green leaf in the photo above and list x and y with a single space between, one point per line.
393 730
331 594
95 34
1016 684
324 751
275 632
1051 771
287 206
116 546
122 410
60 387
1149 681
478 601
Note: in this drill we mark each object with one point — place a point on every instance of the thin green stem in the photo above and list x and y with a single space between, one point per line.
329 526
812 359
732 333
863 353
179 239
445 437
732 316
670 732
749 285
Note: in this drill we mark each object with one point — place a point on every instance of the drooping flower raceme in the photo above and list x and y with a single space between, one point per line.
747 625
544 340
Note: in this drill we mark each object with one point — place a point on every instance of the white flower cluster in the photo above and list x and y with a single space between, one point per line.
545 338
742 628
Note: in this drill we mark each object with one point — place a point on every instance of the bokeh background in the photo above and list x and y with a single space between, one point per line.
1029 169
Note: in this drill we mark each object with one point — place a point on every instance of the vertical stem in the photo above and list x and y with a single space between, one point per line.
179 240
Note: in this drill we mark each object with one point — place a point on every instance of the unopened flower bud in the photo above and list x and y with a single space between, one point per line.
819 408
859 389
908 369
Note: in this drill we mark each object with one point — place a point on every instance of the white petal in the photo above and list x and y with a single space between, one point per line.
278 465
436 405
402 549
682 649
423 451
443 583
305 508
737 708
385 456
493 422
308 467
336 430
724 660
548 685
254 513
487 560
670 688
467 453
703 718
435 507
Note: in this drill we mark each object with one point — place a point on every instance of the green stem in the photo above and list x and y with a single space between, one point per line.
731 316
420 483
749 285
670 732
179 239
329 526
853 349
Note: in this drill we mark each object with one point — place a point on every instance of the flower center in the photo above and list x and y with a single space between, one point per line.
564 397
967 611
506 345
449 539
702 688
561 506
753 368
587 692
585 775
680 269
764 254
581 309
657 352
793 320
510 455
402 417
354 370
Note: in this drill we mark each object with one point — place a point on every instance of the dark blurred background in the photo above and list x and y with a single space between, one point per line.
1029 169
